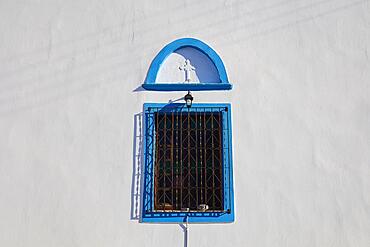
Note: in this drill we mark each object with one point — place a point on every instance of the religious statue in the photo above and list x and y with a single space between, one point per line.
187 67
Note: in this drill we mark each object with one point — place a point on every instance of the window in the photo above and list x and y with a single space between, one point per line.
188 163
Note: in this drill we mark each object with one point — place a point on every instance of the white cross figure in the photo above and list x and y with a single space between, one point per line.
187 67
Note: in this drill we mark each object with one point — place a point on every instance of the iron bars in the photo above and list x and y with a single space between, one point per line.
188 159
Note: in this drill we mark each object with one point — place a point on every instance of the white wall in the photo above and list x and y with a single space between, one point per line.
301 119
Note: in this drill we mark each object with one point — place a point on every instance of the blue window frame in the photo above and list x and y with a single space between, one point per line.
219 214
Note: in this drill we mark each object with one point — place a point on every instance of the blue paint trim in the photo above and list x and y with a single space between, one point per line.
148 215
186 87
150 80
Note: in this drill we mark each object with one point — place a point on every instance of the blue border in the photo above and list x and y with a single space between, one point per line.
150 80
147 216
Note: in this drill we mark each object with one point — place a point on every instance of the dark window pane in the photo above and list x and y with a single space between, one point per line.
188 161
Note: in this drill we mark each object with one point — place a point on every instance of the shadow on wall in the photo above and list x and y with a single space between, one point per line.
136 167
205 70
28 80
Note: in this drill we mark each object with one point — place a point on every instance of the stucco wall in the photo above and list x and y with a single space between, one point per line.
301 119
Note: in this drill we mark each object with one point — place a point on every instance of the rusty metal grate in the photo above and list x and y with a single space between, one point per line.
188 172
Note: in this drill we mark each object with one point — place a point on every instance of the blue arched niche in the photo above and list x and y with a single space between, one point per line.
150 82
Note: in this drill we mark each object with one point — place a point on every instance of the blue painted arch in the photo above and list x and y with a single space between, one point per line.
150 80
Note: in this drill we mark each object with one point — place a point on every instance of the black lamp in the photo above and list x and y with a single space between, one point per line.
188 99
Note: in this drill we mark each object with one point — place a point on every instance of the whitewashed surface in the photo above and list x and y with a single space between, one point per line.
69 77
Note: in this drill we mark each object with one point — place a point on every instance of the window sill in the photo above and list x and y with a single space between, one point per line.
194 217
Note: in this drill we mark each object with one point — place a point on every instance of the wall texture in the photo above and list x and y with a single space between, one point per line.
69 77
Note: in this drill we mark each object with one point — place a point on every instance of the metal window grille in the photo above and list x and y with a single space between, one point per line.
188 163
188 156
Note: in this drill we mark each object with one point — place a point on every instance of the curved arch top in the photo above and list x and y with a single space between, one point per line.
150 80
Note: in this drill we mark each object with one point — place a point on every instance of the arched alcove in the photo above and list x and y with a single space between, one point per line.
187 64
205 71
